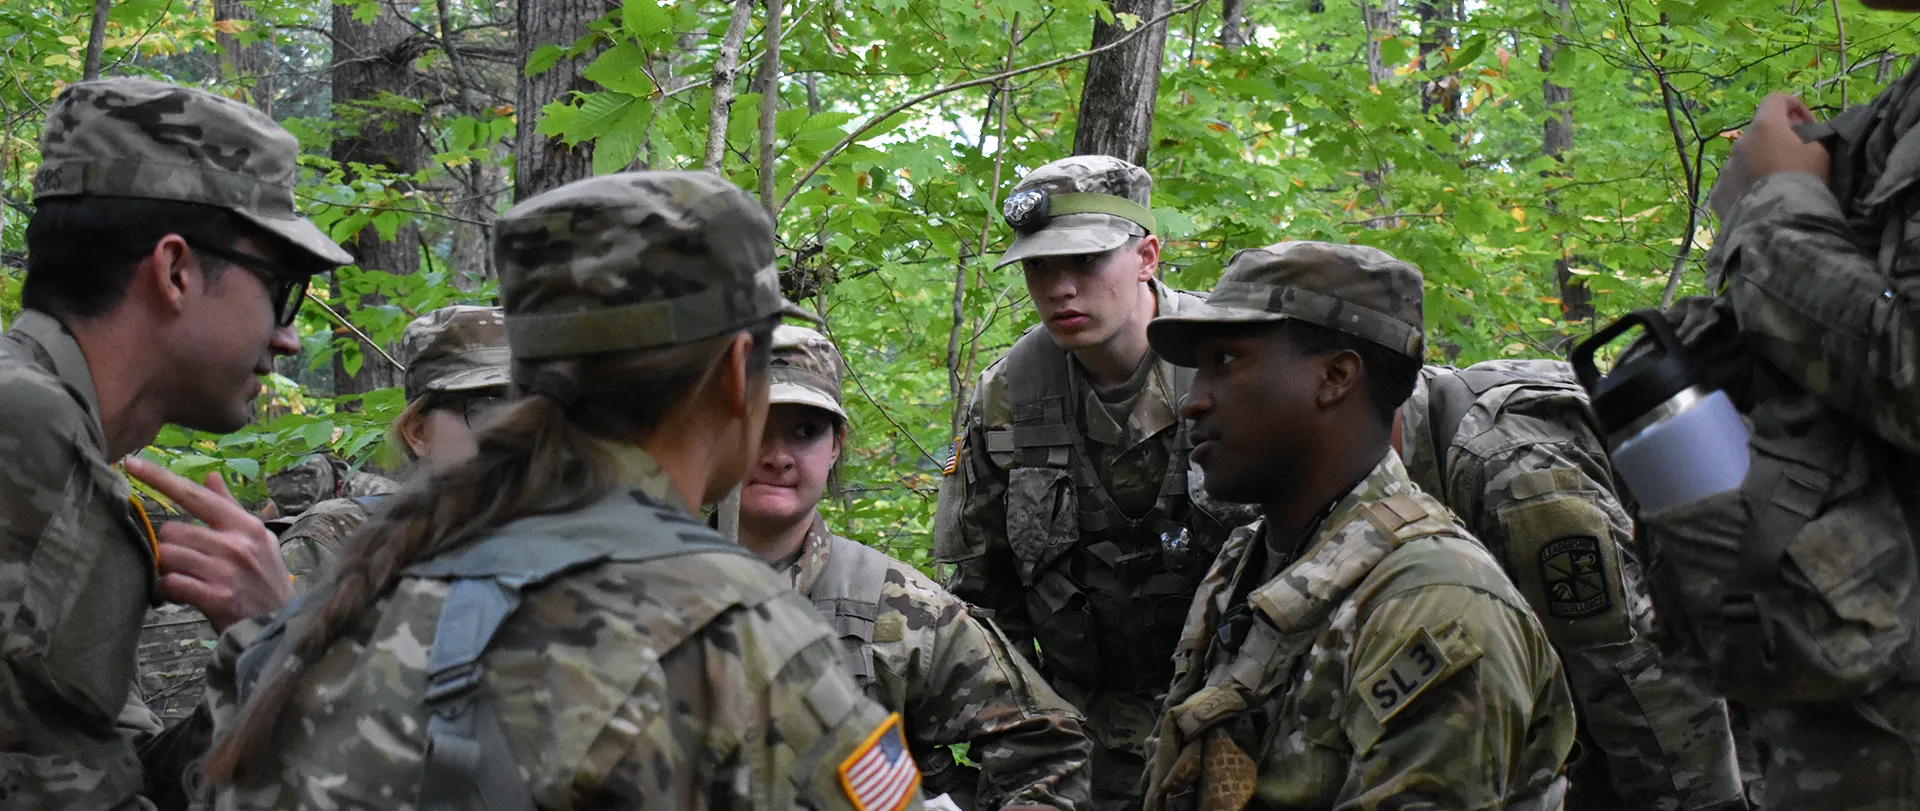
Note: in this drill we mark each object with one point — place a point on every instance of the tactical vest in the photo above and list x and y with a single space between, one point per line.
1452 393
847 593
468 763
1107 593
1211 736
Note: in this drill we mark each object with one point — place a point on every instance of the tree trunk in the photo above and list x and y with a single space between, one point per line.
1116 101
769 87
726 67
540 162
1439 98
369 60
1556 137
1382 19
1233 31
96 39
248 65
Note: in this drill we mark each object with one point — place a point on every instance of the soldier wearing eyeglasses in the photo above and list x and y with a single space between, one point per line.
165 265
457 376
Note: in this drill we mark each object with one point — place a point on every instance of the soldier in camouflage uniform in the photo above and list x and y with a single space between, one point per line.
916 648
165 265
547 624
1511 447
318 477
456 360
1356 648
1070 510
1800 591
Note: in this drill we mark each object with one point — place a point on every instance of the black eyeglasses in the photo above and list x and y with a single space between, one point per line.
287 288
476 410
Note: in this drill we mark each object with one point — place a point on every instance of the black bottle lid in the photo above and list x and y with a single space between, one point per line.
1629 391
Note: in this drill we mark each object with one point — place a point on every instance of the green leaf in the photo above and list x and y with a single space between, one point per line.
543 59
317 435
598 114
622 68
1472 51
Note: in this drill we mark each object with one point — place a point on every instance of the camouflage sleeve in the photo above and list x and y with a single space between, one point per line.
764 716
73 588
1815 304
970 531
1547 513
1454 701
965 685
314 541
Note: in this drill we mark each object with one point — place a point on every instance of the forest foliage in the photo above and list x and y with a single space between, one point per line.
1545 163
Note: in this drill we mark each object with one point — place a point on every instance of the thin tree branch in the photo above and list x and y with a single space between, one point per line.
769 102
96 39
1840 24
724 68
364 338
801 181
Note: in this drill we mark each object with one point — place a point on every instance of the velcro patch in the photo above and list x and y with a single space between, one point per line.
881 775
1419 664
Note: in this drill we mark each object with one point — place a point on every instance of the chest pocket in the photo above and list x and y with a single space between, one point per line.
1043 517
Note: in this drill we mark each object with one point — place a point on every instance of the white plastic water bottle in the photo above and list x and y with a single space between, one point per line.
1674 441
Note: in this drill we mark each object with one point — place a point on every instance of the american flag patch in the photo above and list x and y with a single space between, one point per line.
953 458
880 775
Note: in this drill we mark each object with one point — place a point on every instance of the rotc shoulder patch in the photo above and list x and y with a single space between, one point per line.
881 775
1576 583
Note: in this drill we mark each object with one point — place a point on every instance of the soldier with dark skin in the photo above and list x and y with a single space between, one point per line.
1355 648
166 263
1070 510
917 649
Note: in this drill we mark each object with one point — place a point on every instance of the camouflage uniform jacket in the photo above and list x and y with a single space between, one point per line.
696 681
1531 480
314 541
76 573
1001 524
921 652
1390 665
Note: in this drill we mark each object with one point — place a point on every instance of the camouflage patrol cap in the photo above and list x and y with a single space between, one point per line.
1354 289
313 479
634 261
141 138
807 370
458 348
1079 205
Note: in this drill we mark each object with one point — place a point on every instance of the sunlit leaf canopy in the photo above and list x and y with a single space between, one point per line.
1420 128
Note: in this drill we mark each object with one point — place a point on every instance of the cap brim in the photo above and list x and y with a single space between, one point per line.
1172 336
795 394
303 234
792 310
471 379
1063 242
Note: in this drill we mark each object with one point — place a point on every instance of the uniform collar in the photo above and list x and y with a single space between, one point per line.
635 468
807 566
69 364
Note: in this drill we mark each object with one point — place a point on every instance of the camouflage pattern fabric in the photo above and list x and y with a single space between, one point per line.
126 137
567 257
973 533
457 348
362 483
315 541
954 679
1353 289
698 681
1391 665
313 479
807 370
76 572
1534 485
1080 233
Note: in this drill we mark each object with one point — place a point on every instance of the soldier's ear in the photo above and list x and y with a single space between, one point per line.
1342 375
1148 250
169 271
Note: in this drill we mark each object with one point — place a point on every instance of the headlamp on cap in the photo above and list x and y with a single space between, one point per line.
1030 210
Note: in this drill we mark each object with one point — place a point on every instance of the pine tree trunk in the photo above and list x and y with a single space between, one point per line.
1439 98
1556 137
540 162
1116 101
247 65
369 60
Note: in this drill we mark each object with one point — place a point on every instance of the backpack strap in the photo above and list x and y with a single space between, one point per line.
468 763
1449 398
1038 375
847 595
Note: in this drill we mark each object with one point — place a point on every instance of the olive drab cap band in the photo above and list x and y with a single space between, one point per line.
1353 289
458 348
807 370
633 261
141 138
1081 205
